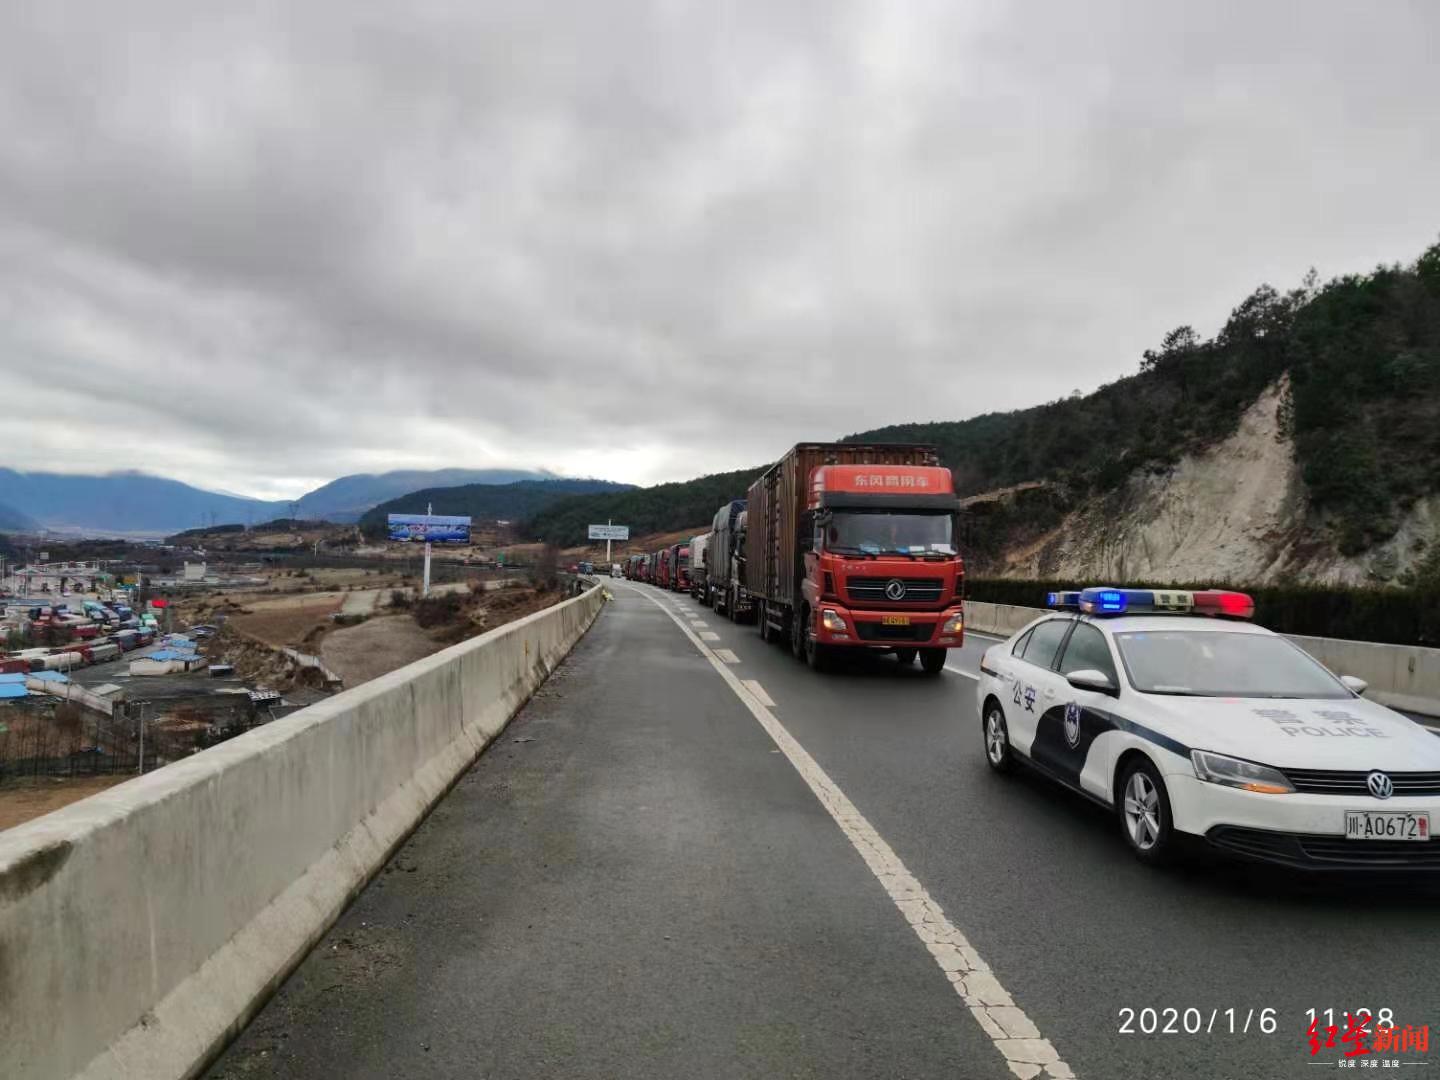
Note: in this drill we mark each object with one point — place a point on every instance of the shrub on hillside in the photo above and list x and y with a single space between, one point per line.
441 610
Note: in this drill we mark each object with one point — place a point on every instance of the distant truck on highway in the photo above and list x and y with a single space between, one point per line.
678 561
725 559
853 546
698 569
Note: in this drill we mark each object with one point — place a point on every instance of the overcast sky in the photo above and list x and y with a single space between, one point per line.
255 246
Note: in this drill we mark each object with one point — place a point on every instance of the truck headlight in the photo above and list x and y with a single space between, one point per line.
1238 773
955 624
832 620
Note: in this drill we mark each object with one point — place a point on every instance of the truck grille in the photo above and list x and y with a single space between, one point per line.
1345 782
874 631
917 590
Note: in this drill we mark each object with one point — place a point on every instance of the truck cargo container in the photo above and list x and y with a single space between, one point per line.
852 546
104 652
725 585
698 569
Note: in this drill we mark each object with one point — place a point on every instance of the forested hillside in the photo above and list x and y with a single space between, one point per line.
485 502
662 508
1362 353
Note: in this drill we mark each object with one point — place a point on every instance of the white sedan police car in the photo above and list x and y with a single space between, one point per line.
1192 722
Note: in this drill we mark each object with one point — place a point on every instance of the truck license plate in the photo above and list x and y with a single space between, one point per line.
1386 825
894 620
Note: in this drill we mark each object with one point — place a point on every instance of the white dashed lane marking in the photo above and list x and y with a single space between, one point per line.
753 685
709 635
1026 1052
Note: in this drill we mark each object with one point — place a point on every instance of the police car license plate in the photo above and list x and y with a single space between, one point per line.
894 620
1386 825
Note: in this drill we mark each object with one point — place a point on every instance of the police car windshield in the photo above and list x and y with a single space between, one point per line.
877 533
1209 663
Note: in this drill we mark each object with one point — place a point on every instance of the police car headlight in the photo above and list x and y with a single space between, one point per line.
955 624
1237 773
833 620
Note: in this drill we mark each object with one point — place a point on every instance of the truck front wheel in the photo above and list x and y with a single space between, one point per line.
906 657
932 661
799 621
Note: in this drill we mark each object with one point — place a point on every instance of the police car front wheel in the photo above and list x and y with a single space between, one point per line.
997 739
1145 813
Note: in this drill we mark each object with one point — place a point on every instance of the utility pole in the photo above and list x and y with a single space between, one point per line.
425 588
140 768
608 522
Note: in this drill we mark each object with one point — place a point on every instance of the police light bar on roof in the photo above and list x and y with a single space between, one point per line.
1112 601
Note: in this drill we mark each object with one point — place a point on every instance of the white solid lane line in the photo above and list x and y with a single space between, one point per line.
967 674
1026 1052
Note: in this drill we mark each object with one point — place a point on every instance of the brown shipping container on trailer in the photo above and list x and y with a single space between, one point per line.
773 567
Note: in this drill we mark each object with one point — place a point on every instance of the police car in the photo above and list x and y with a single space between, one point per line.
1192 722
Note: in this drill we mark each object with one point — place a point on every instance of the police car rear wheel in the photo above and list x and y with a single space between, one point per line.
997 740
1145 813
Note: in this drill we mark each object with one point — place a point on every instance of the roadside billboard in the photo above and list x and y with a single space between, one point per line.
609 532
437 529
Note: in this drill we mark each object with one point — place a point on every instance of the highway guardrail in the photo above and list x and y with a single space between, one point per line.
142 927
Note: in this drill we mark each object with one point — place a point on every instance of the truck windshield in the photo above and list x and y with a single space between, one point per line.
877 533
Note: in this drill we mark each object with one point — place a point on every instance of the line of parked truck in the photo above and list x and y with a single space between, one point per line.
836 547
98 634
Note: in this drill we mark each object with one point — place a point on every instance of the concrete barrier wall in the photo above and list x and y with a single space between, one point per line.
142 927
1401 676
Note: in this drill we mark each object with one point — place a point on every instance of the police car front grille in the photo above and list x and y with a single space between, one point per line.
1346 782
1339 851
917 590
1325 852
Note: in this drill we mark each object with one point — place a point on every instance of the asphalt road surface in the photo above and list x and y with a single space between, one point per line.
690 856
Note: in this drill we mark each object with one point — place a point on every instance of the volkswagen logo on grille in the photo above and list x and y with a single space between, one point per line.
895 589
1380 785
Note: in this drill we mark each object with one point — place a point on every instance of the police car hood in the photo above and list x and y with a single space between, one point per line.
1301 733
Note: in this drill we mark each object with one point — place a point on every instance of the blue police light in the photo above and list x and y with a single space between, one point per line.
1062 599
1112 601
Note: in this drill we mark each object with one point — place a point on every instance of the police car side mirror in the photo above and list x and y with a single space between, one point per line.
1353 684
1089 679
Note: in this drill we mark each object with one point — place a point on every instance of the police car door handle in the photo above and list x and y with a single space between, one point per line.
1049 693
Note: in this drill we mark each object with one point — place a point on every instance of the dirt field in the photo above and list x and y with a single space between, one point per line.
288 621
22 800
367 651
386 642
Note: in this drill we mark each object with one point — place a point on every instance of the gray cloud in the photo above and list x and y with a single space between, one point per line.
258 249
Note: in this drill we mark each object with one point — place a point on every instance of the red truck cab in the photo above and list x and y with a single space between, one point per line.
883 567
679 562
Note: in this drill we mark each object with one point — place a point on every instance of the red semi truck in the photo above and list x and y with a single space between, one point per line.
678 558
853 546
